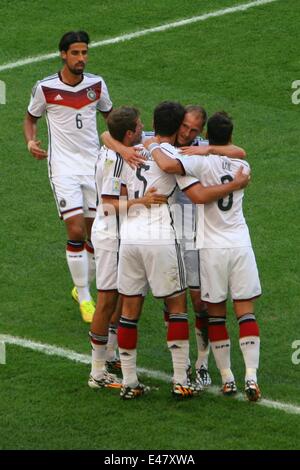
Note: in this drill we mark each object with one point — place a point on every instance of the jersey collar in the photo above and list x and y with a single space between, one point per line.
68 84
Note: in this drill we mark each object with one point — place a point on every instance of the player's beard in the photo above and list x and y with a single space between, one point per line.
185 144
138 140
76 71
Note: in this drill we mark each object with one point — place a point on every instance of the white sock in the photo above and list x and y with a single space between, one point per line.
91 261
78 266
250 346
220 346
251 374
203 350
227 375
128 364
112 344
83 294
221 352
98 360
180 355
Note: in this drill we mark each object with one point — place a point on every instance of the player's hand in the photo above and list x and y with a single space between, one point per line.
151 197
242 179
151 140
133 156
35 149
194 150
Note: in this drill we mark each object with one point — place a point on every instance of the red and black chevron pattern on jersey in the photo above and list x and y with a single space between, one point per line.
72 99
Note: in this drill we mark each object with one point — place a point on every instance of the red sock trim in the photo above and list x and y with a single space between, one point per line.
217 332
75 248
94 341
249 328
127 337
178 330
89 248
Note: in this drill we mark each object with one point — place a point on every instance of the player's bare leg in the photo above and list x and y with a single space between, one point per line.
249 344
220 345
77 260
105 307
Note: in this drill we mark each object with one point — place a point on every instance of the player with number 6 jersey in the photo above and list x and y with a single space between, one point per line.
70 100
70 111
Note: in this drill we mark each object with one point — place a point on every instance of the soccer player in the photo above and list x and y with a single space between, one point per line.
150 255
189 134
69 100
190 141
227 261
125 126
189 137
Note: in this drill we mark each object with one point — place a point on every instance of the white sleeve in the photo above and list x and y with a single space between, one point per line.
169 150
37 105
193 165
184 182
111 181
104 104
127 175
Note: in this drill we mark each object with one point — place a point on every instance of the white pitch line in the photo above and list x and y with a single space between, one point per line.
143 32
52 350
46 349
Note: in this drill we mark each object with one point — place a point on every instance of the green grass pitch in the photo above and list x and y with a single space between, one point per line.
244 63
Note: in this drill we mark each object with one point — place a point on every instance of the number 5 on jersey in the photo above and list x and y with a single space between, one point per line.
141 178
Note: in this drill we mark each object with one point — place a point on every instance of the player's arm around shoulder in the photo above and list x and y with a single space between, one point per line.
165 163
228 150
200 194
195 150
130 154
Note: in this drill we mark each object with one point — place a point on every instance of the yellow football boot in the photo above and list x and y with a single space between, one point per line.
74 294
87 310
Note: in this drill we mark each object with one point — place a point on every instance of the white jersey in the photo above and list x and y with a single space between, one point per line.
73 142
188 209
154 225
108 182
181 198
185 212
224 224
